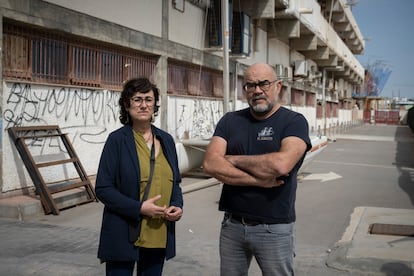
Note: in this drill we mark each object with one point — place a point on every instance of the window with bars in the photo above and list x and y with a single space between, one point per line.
334 110
328 109
48 60
284 96
297 97
331 110
31 54
319 110
186 79
16 54
85 64
112 68
310 99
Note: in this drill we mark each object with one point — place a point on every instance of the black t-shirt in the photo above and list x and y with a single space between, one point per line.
248 136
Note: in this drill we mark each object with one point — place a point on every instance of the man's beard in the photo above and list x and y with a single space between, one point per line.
261 110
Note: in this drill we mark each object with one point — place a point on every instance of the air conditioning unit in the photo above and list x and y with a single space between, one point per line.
301 68
314 75
317 74
279 71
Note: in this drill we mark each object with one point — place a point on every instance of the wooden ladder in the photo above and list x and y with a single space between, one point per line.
41 137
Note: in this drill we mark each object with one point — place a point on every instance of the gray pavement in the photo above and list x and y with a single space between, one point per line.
365 177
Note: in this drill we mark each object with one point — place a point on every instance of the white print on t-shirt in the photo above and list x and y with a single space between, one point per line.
265 134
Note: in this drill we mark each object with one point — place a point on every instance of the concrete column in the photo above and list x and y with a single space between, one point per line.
165 20
1 102
161 71
161 80
233 85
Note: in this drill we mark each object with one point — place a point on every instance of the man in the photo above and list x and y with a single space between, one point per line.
256 152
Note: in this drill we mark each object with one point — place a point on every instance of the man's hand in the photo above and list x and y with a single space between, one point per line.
261 182
150 209
271 183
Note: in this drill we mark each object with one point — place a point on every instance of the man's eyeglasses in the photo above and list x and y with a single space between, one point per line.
149 101
263 85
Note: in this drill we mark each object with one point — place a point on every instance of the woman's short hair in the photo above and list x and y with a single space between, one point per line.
132 86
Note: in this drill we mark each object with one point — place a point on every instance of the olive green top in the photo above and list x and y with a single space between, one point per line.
153 230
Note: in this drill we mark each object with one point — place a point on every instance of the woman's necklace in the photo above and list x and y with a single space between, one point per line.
147 136
148 139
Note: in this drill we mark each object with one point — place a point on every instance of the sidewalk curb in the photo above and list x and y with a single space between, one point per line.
358 251
199 185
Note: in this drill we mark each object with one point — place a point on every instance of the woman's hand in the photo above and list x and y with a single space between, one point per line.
150 209
173 213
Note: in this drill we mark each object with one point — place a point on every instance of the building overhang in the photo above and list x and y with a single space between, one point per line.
324 31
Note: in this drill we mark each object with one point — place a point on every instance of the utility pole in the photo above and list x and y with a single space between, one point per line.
225 38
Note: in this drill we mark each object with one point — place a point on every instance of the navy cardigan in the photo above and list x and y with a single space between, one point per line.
118 186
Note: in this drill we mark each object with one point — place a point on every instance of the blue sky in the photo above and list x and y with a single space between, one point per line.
388 27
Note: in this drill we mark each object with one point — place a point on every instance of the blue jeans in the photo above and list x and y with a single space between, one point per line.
272 245
151 263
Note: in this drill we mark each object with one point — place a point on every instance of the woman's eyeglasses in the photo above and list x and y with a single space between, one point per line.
149 101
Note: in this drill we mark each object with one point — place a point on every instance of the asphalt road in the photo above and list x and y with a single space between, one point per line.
369 166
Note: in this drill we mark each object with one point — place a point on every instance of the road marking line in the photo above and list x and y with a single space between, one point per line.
364 164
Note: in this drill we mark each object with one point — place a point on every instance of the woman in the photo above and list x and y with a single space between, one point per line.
123 174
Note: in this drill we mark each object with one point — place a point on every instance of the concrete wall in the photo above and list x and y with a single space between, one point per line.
193 18
193 118
143 15
310 115
89 115
279 53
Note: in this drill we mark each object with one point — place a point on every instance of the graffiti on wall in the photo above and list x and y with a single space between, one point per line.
75 109
193 118
86 115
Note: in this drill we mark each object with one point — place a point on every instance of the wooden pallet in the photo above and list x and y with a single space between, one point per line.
42 137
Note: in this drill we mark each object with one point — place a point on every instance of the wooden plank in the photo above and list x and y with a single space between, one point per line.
44 189
41 136
56 162
69 185
45 196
